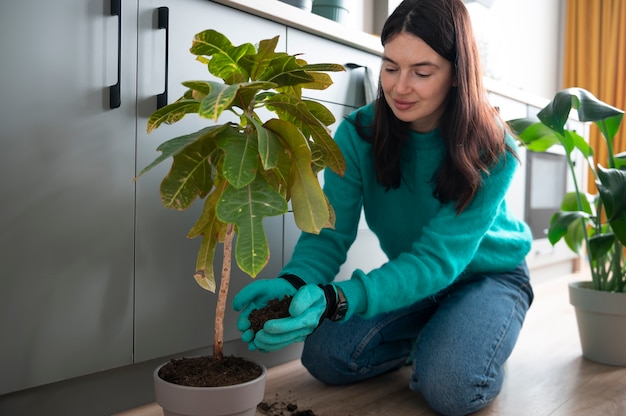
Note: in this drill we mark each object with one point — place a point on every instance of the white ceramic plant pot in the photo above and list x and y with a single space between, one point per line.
601 318
301 4
336 10
236 400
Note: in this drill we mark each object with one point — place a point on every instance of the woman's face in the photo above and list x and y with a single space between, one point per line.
415 80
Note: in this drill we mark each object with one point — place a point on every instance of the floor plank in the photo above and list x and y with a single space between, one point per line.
545 376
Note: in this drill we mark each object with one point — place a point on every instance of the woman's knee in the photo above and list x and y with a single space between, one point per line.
325 364
457 393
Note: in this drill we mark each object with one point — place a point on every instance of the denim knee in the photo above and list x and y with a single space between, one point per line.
325 366
453 394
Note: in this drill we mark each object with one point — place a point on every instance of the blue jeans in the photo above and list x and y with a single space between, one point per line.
457 340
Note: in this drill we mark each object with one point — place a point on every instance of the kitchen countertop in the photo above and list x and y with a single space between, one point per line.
309 22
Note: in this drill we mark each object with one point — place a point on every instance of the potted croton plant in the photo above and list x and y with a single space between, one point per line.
244 170
593 224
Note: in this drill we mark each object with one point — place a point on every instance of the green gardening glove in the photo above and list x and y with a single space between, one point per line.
308 308
255 296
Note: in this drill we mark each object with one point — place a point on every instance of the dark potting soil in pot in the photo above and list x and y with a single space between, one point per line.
206 371
274 309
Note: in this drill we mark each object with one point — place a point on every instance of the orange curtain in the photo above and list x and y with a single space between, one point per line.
595 59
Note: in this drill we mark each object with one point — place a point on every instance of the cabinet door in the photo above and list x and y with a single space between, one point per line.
348 87
66 228
173 314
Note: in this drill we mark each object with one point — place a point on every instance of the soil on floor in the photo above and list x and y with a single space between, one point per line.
280 408
274 309
206 371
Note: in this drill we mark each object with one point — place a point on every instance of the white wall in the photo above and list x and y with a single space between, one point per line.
520 40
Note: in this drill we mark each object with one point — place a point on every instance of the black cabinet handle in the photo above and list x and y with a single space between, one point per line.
115 98
163 23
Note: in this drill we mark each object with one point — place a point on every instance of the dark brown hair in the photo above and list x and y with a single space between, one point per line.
472 132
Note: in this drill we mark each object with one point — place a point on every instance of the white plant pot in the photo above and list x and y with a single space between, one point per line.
301 4
601 318
336 10
236 400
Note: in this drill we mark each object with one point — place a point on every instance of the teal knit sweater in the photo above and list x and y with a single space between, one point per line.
428 245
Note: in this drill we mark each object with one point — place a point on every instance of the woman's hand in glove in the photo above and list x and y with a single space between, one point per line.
308 308
256 295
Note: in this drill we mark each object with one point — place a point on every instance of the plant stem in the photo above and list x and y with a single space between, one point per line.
616 267
595 278
218 341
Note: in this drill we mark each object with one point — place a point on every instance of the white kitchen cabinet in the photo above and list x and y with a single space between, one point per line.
66 228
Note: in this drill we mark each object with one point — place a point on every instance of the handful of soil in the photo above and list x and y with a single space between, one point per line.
274 309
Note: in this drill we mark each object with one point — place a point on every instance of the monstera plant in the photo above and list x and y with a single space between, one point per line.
595 222
590 224
250 168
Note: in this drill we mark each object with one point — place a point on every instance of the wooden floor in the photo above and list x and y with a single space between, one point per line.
546 375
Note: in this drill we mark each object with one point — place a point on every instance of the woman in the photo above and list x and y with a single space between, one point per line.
429 162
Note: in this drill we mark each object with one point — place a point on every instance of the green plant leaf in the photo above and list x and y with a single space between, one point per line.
590 109
321 80
208 211
189 177
205 275
178 144
227 68
240 157
172 113
620 160
536 136
269 145
222 97
310 207
284 70
576 141
223 55
325 67
209 42
200 88
257 64
246 207
320 112
612 188
559 224
575 235
600 244
249 92
296 111
212 231
570 203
